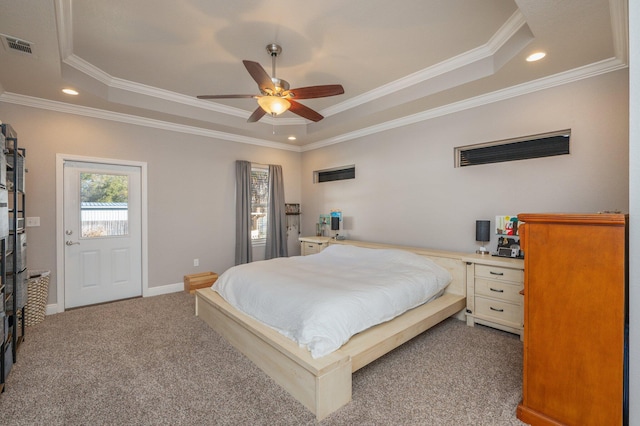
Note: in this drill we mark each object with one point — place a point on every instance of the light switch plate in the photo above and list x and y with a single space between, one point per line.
33 221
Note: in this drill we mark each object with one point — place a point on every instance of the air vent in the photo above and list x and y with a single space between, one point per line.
13 44
537 146
337 173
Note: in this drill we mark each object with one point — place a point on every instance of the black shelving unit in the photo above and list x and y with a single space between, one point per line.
13 269
5 337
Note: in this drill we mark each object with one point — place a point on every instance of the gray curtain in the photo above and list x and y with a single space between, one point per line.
243 212
276 217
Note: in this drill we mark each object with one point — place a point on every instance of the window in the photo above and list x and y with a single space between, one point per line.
259 202
537 146
338 173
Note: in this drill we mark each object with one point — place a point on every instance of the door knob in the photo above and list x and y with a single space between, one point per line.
70 243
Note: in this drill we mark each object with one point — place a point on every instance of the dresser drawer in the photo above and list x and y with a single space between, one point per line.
312 245
311 248
499 273
499 290
499 311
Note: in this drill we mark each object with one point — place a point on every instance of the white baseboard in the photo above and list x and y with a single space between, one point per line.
52 308
163 289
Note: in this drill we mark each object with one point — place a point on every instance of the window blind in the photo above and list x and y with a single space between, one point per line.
545 145
339 173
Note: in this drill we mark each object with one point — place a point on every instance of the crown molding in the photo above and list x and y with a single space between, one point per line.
620 28
588 71
619 20
64 20
13 98
129 86
64 23
65 37
592 70
502 36
99 75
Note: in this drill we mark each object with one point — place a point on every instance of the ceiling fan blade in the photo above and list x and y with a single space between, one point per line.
257 115
303 111
225 96
317 91
260 76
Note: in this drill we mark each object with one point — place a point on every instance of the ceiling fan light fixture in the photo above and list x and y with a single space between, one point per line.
274 105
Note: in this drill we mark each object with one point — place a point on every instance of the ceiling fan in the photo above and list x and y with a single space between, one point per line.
276 97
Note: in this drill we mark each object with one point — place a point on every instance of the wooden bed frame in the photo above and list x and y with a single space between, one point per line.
323 385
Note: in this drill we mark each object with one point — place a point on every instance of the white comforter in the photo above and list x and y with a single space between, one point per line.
320 301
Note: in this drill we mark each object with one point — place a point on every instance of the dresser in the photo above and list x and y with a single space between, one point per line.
494 292
575 318
312 245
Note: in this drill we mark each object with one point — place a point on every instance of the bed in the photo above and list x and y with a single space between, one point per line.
323 384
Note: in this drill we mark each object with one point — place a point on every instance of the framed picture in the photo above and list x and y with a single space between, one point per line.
292 208
507 225
325 219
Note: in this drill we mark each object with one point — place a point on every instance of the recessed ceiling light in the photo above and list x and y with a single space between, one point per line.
292 138
536 56
70 92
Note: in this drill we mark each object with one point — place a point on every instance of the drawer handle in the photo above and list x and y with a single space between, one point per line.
496 309
496 273
497 290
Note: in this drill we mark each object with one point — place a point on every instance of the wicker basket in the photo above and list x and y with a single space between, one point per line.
37 297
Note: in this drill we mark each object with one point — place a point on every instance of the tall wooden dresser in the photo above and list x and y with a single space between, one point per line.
575 319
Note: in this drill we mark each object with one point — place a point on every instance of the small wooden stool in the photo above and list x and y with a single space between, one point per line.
202 280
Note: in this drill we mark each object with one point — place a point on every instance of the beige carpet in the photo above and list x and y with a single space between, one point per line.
152 362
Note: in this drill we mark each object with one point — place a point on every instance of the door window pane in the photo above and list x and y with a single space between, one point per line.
104 205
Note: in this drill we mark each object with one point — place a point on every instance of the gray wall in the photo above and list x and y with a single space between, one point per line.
406 190
191 187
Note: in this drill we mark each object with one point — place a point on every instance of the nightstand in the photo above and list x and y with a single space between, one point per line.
312 245
494 298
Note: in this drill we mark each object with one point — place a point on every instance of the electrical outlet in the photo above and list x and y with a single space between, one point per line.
196 262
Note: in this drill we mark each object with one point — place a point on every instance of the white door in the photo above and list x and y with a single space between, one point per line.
102 227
